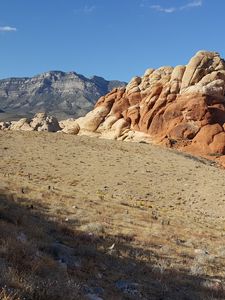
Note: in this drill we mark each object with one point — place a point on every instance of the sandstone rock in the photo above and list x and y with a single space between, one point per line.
22 124
210 139
69 126
64 123
148 72
93 119
182 107
40 122
107 124
43 122
200 65
133 85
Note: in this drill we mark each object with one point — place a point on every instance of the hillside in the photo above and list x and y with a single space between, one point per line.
85 218
61 94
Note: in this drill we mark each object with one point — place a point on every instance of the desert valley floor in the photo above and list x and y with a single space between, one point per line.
144 222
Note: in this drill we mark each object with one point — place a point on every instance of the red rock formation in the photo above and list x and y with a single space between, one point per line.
182 107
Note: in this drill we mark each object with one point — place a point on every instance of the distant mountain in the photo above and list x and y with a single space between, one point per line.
61 94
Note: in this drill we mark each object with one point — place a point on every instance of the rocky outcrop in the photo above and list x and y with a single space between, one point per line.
69 126
182 107
40 122
57 93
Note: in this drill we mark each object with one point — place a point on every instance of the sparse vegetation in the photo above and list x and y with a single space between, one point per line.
132 240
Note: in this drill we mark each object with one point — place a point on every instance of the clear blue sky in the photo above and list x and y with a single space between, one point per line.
116 39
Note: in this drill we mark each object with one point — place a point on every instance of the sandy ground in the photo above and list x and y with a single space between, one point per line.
115 174
163 200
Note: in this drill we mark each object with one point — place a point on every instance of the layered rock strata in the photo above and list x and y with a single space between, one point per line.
57 93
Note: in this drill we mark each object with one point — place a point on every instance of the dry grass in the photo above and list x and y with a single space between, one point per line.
27 269
148 222
7 295
30 269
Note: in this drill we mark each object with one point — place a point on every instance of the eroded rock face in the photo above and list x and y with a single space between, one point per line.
40 122
69 126
182 107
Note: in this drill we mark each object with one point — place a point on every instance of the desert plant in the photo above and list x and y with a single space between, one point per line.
8 295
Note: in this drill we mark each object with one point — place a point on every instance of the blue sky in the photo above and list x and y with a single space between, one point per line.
116 39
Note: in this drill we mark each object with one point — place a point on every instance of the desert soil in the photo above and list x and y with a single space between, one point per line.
161 210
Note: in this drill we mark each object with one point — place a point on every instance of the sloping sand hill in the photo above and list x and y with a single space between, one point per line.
144 222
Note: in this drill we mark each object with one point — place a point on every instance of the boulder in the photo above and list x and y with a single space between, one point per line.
94 118
40 122
23 124
43 122
70 127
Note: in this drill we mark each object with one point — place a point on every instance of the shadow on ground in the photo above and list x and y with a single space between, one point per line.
45 258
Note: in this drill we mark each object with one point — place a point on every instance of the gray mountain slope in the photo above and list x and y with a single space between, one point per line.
61 94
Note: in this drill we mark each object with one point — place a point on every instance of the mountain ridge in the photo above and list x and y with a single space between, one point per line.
63 94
